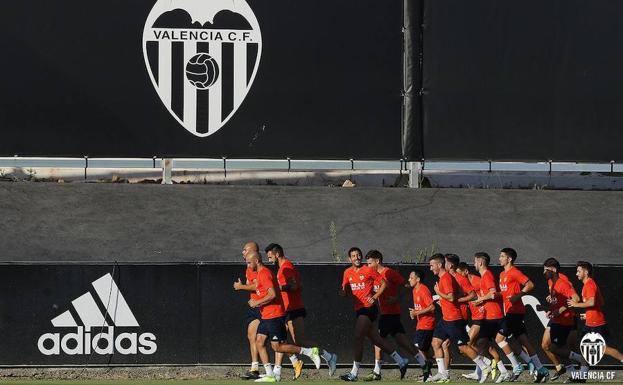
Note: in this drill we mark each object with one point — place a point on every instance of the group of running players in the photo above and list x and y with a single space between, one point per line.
494 311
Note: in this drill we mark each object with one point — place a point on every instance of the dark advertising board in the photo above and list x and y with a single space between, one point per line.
191 78
190 314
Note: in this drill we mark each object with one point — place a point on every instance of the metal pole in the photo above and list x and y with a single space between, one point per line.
414 174
167 167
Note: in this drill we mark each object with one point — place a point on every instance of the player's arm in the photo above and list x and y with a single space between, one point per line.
429 309
590 302
380 291
238 285
270 295
491 295
448 297
345 289
525 289
470 296
402 289
288 281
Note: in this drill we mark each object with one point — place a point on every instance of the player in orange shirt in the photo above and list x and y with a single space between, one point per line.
389 319
562 318
253 315
546 342
592 302
423 312
272 327
483 329
291 287
358 281
452 325
514 285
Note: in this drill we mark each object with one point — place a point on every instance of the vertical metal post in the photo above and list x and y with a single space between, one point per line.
167 167
414 174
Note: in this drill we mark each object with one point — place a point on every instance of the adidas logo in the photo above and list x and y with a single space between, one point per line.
95 324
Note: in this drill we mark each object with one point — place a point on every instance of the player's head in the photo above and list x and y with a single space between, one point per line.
254 260
551 267
436 262
463 269
452 261
584 270
250 246
415 277
508 256
481 259
355 255
374 258
273 252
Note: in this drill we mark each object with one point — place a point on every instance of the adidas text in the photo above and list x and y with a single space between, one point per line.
98 342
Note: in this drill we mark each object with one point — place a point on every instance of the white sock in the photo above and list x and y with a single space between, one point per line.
441 366
397 357
269 370
525 357
355 368
537 362
293 359
377 366
478 371
421 360
570 368
277 371
326 355
255 365
486 360
577 358
306 351
513 359
478 360
502 367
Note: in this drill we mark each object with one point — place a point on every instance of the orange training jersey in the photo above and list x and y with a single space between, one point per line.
511 282
361 283
449 310
560 292
493 309
594 315
477 311
393 281
466 288
251 276
293 299
421 300
265 281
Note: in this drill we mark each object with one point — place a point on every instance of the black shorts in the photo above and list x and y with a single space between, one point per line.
390 325
559 333
512 325
603 330
252 315
489 328
371 312
296 313
423 339
476 322
274 329
453 330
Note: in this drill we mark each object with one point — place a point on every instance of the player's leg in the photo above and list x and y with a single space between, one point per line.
375 375
473 332
423 341
501 339
447 355
439 336
262 335
297 331
297 365
252 325
457 334
546 345
374 336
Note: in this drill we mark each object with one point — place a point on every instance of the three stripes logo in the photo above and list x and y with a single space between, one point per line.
593 346
202 57
95 324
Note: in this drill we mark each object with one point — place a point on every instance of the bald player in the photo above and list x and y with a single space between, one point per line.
253 315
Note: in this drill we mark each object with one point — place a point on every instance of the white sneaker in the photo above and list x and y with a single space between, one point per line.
332 364
471 376
266 379
485 374
315 357
503 377
437 377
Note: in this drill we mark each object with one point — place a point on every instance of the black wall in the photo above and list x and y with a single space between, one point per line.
195 314
75 83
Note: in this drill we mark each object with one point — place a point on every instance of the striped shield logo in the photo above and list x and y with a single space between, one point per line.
202 57
593 346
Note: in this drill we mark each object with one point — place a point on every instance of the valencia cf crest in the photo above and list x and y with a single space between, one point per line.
202 57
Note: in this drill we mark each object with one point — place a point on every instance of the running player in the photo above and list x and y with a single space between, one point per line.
546 342
253 314
358 280
562 318
514 285
424 312
481 341
291 287
272 326
592 302
389 319
452 325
